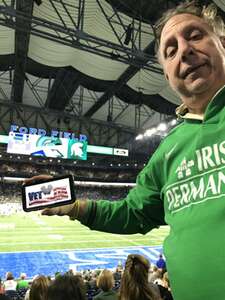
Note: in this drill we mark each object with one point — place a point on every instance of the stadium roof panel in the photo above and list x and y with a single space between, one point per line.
94 57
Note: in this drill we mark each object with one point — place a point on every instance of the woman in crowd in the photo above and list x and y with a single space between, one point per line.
106 282
38 290
134 282
10 284
67 287
164 288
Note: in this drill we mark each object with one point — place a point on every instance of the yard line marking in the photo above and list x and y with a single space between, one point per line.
84 249
64 242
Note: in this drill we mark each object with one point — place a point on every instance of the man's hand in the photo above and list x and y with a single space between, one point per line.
65 210
37 178
70 210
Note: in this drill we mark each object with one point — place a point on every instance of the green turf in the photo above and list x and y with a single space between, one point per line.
31 231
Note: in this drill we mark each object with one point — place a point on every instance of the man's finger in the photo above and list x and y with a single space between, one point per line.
51 212
64 210
37 178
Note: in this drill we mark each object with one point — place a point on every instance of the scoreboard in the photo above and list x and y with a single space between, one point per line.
37 145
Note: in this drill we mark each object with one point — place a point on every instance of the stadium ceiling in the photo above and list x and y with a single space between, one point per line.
86 60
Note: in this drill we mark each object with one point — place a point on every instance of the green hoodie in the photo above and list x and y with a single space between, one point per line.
183 186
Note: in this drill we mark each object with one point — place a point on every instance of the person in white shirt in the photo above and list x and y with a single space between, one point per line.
10 284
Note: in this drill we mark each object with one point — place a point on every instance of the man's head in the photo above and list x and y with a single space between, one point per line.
23 276
192 52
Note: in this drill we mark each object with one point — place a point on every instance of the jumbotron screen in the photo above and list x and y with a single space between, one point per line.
46 146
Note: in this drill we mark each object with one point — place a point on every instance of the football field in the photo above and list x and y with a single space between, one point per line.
37 244
31 231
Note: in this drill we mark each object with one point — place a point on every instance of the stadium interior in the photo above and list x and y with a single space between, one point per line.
85 67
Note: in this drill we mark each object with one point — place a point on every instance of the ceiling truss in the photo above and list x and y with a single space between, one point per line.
62 93
73 37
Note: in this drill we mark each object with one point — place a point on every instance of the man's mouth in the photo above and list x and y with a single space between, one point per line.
191 70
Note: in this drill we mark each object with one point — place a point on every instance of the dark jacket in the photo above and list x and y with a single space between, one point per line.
110 295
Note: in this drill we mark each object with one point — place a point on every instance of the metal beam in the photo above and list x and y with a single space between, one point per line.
119 38
122 80
65 85
21 48
28 116
76 38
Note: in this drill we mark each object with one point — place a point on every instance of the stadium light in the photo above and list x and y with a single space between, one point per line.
81 183
13 178
173 122
162 127
150 132
139 137
94 183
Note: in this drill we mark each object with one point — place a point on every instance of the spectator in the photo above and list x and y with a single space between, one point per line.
161 263
134 282
106 282
92 282
22 283
164 288
67 287
2 289
10 284
159 279
118 272
154 274
39 287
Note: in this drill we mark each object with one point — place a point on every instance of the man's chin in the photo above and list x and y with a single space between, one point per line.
198 86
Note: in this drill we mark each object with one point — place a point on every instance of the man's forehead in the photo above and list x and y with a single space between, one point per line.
180 21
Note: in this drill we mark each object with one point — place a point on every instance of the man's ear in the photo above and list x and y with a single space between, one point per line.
222 40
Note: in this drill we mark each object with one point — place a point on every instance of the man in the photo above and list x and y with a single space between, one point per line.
22 283
183 184
160 263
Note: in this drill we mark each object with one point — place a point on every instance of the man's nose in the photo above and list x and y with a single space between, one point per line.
186 50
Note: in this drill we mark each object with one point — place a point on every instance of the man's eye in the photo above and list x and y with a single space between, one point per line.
170 51
195 35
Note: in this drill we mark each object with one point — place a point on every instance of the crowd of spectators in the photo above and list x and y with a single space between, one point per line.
20 169
11 199
11 192
136 281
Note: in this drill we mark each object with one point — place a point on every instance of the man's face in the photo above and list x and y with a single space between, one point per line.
192 56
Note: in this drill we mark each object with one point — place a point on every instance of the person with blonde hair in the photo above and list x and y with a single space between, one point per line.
39 287
105 282
134 283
